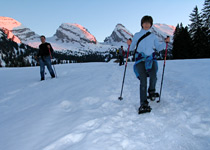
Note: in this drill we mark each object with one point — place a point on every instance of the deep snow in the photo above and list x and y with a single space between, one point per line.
80 109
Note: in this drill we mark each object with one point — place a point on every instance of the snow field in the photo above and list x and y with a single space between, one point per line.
80 109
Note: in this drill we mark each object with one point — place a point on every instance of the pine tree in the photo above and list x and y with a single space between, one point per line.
176 32
175 50
206 14
200 43
206 21
195 18
199 35
182 43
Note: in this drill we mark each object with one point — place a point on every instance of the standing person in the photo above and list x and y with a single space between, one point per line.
44 57
121 55
145 60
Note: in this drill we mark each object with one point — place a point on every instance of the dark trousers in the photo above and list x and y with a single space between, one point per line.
121 60
143 80
46 60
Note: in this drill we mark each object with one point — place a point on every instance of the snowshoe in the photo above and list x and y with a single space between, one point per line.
144 109
152 96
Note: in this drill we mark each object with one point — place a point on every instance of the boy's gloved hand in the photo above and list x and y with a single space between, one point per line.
167 40
36 58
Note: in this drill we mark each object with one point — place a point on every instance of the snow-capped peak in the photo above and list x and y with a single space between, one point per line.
9 23
86 32
164 29
121 27
119 36
16 31
69 32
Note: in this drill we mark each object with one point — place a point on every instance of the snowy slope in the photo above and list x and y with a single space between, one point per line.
80 110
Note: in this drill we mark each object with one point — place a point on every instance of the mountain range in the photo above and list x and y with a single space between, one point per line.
75 37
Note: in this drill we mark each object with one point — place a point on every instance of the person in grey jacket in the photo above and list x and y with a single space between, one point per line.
145 61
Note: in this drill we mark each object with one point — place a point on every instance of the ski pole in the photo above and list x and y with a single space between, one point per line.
164 64
52 63
129 43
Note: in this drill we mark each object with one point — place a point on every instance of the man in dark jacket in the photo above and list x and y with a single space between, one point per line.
44 57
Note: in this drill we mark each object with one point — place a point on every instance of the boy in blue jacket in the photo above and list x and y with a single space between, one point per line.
145 60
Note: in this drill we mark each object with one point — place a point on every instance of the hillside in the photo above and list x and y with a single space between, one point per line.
13 54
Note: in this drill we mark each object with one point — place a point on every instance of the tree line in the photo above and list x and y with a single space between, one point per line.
193 41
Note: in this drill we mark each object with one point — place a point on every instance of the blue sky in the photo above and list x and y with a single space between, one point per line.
99 16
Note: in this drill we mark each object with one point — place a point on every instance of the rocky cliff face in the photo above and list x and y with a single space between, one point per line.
119 36
25 34
16 31
68 33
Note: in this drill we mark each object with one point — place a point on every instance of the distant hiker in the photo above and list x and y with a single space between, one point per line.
117 51
121 56
44 57
145 60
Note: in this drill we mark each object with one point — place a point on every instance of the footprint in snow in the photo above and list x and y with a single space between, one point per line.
66 141
65 105
14 92
89 125
90 101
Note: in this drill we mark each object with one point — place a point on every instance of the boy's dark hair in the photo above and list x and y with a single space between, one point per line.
43 36
146 19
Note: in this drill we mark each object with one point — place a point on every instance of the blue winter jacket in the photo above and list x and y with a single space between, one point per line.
145 50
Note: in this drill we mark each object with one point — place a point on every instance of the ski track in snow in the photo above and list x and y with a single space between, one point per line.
80 109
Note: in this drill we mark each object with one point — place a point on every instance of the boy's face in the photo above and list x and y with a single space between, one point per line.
146 25
42 39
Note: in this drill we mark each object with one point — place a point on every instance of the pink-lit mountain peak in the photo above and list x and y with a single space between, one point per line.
167 29
82 30
9 23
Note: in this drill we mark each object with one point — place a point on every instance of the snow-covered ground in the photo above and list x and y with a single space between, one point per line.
80 109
